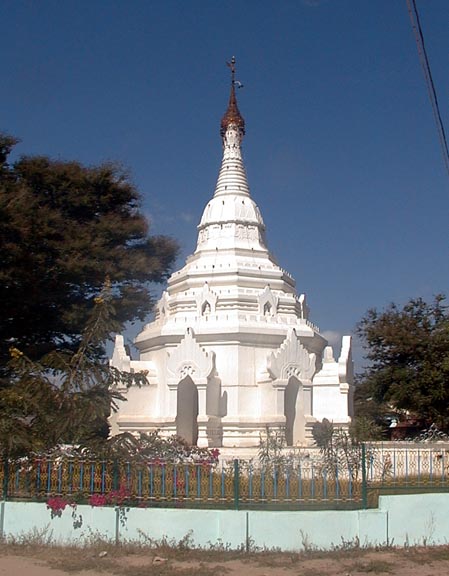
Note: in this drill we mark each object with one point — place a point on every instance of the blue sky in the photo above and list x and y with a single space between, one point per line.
341 151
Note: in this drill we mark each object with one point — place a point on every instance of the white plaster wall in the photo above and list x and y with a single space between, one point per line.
330 403
140 402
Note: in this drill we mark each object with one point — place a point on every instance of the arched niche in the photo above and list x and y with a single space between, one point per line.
205 309
187 411
294 411
206 301
267 309
268 302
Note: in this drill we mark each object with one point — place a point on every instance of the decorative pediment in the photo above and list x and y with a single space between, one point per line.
206 301
268 302
189 359
291 359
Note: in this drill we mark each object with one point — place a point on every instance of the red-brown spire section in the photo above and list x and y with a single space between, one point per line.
232 114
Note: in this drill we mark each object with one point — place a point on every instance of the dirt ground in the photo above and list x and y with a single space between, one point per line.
110 561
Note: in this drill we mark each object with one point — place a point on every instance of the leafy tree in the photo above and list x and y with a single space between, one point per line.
64 229
66 396
408 351
366 429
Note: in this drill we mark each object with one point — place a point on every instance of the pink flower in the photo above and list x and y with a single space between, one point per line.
98 500
57 505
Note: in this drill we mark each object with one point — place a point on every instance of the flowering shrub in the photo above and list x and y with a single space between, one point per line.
98 500
57 505
115 498
149 458
118 497
215 453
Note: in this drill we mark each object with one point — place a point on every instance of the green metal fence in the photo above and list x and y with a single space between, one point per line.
310 481
237 484
398 468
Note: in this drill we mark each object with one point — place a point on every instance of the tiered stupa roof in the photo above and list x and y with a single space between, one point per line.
231 219
231 350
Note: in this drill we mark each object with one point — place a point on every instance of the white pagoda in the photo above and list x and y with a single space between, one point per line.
231 350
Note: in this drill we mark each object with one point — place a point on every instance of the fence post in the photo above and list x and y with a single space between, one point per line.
364 482
5 478
236 484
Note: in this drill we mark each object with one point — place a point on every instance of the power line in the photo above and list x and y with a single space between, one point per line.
419 38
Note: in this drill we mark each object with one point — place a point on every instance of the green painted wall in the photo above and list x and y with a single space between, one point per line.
401 520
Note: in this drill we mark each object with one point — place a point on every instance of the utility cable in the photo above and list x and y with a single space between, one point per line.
419 38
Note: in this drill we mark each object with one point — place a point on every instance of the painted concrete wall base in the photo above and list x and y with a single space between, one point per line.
399 520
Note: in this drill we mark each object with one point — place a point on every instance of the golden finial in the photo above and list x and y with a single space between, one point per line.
232 114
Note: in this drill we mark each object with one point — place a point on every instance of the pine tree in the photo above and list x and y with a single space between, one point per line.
66 396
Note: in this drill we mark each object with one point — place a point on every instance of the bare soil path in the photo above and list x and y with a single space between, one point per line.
34 560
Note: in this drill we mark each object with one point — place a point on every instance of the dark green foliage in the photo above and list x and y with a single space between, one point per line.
408 351
127 447
272 446
322 433
364 429
361 429
66 396
340 451
64 229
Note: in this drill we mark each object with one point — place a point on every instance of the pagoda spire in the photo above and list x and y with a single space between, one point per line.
232 116
232 176
231 220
